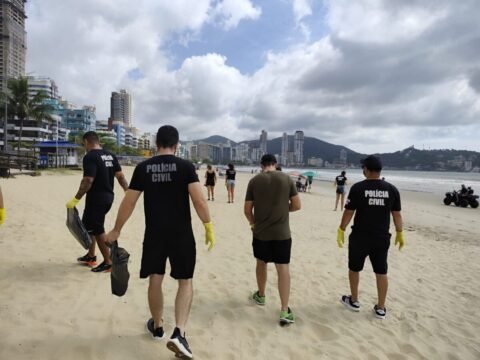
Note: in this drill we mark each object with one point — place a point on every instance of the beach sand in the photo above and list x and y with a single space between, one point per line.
53 308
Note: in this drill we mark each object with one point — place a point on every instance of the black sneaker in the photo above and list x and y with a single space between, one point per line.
157 333
179 345
103 267
379 312
352 305
88 260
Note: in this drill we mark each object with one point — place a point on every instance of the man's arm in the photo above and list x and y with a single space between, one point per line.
124 212
199 202
85 185
295 203
248 211
346 218
397 220
121 180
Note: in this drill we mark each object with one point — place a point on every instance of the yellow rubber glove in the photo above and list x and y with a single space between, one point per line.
399 240
2 215
252 226
72 203
209 235
340 238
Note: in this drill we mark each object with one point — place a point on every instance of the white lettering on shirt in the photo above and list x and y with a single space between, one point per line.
376 197
108 160
161 172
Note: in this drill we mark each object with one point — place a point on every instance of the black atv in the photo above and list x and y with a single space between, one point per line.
461 198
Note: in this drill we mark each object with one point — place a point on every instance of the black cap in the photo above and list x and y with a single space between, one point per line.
268 159
372 163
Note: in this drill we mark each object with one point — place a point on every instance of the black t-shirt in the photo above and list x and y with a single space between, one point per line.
102 166
230 174
340 179
373 201
164 179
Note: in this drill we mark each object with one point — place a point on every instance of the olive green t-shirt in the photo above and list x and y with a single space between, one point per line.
271 192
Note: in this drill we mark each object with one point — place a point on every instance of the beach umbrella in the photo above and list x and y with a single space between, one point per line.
308 173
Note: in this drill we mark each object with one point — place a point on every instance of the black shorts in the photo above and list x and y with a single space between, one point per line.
340 189
210 183
276 251
375 247
94 217
178 247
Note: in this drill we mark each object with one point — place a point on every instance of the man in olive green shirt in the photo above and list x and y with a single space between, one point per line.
271 196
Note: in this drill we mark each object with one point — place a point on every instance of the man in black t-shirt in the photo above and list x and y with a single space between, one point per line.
100 167
168 184
372 201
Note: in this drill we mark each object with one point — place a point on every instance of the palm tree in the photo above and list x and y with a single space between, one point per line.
22 106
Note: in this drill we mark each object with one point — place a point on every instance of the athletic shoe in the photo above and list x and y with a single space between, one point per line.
352 305
157 333
88 260
259 300
379 312
103 267
286 317
179 345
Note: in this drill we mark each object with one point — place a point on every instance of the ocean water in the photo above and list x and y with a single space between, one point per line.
435 182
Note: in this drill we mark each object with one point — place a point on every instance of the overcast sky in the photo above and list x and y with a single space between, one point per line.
373 75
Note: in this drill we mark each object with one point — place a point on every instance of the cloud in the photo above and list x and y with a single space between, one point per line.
386 75
230 12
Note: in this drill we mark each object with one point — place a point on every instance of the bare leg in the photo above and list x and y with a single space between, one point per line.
213 195
382 287
354 278
103 248
261 273
336 201
183 303
283 284
342 196
91 249
233 192
155 299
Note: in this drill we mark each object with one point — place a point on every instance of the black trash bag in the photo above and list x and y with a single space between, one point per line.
75 225
119 275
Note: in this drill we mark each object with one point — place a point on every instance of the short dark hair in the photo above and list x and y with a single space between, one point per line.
230 166
343 173
91 137
167 136
372 163
268 160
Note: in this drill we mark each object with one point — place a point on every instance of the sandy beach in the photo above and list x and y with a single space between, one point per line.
53 308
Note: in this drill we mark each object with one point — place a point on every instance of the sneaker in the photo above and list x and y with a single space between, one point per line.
259 300
352 305
88 260
179 345
103 267
286 317
157 333
379 312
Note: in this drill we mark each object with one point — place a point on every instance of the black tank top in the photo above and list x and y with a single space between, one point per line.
211 176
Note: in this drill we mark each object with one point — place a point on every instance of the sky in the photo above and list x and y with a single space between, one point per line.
372 75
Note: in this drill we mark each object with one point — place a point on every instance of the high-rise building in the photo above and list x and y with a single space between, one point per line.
121 108
263 143
298 146
45 84
12 40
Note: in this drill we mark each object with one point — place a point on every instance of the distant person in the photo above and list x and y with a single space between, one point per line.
309 182
372 201
100 167
270 196
230 174
168 184
210 181
2 208
340 182
299 185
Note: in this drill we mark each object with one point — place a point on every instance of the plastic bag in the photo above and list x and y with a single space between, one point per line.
119 275
75 225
